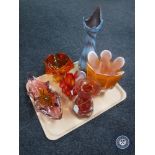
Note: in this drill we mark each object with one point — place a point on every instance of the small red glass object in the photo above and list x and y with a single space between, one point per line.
45 100
83 105
85 89
58 65
70 82
88 86
67 84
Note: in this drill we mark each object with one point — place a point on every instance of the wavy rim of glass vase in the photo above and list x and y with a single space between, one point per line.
120 73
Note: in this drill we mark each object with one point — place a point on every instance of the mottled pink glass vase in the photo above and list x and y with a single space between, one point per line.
44 99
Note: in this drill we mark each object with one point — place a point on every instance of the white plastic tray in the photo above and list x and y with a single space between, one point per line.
55 129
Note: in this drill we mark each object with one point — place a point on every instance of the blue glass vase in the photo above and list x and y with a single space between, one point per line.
92 26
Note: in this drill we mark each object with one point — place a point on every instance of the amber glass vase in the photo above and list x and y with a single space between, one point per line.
106 81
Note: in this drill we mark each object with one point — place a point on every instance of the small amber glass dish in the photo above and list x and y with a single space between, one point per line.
106 81
58 65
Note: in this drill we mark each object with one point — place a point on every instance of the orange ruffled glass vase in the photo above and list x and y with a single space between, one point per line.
105 71
58 65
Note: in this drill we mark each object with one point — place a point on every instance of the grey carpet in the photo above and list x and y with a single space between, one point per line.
48 26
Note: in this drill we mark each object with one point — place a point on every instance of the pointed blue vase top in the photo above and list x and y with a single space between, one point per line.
92 25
